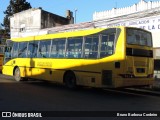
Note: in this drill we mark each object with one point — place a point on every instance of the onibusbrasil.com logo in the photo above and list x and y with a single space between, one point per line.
21 114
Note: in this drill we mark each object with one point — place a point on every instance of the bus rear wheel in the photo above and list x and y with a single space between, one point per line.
70 80
17 75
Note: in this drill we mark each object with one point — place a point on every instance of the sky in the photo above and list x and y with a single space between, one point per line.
85 8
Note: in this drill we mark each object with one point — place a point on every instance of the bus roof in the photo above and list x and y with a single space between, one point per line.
77 33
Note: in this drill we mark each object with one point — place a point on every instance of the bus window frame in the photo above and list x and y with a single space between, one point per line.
96 38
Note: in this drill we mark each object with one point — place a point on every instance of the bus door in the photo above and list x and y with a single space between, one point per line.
7 54
7 51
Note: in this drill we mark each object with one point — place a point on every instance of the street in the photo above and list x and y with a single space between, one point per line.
43 96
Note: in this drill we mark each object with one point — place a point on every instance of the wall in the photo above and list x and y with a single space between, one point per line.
141 6
26 21
32 21
49 20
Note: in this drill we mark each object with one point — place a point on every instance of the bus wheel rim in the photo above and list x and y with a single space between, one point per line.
17 74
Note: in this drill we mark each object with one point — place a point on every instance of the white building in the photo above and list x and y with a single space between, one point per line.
141 6
31 22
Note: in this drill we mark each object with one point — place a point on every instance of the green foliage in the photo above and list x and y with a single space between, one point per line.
15 6
3 36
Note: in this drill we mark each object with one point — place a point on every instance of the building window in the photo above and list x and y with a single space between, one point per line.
22 28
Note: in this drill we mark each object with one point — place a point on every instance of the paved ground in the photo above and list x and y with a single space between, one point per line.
42 96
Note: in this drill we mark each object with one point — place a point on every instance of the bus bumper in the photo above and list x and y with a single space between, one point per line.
131 82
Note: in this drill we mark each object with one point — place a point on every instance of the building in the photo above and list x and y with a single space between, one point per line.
28 22
115 12
144 15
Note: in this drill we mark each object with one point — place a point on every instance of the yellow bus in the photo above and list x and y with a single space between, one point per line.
2 47
99 57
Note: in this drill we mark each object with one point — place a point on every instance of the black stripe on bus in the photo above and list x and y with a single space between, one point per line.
87 71
79 71
139 52
60 69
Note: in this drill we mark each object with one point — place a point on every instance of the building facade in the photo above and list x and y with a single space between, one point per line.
115 12
28 22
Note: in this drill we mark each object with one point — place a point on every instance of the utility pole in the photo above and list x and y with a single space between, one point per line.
75 15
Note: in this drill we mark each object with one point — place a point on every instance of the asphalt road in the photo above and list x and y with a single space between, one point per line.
42 96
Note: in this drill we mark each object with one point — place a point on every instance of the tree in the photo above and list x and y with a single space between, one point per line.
15 6
2 33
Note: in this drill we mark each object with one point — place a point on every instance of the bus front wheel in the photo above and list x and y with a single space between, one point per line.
17 75
70 80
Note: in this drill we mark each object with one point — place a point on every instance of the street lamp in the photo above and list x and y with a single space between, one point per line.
75 14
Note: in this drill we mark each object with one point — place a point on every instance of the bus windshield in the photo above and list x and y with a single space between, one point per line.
139 37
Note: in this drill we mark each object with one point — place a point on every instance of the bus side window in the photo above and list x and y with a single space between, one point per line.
91 47
32 49
74 47
54 50
61 48
58 48
78 47
111 44
70 48
44 49
107 45
15 50
22 49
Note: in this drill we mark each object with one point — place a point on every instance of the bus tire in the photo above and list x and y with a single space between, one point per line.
70 80
17 74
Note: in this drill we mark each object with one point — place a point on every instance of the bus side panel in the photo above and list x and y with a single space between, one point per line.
41 69
88 79
7 70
